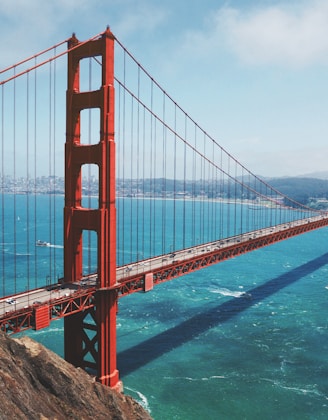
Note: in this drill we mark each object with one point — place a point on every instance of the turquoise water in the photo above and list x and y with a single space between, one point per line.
197 348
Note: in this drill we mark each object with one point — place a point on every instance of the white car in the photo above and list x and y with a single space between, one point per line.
11 301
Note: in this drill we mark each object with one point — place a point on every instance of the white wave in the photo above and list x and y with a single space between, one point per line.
213 377
142 399
46 331
302 391
189 379
20 254
311 389
227 292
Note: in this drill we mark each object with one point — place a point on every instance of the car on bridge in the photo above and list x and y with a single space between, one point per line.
11 301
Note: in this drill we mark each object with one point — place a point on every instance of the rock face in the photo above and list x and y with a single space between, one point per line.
35 383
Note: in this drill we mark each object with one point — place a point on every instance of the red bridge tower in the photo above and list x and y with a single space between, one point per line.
96 340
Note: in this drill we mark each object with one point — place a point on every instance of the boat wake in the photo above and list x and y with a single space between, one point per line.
308 390
47 244
189 379
233 293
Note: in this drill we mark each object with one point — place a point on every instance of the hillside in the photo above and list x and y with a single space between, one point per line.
301 189
37 384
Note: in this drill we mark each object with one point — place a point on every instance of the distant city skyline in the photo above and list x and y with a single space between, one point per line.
252 74
312 192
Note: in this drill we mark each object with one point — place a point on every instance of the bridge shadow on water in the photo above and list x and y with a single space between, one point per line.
139 355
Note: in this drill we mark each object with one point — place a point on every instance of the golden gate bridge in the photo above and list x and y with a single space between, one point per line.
149 195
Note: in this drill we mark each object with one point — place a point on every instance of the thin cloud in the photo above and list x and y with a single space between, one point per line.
28 27
147 17
279 35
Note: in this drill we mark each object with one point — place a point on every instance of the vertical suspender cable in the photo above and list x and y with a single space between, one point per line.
256 213
203 191
151 160
164 198
216 205
50 166
242 201
118 136
184 184
143 181
210 219
201 213
155 221
132 157
268 206
28 184
193 220
272 208
35 177
204 196
208 200
217 197
261 205
54 168
222 190
229 200
248 192
280 214
123 160
235 200
138 168
2 190
14 167
209 192
174 180
200 198
213 216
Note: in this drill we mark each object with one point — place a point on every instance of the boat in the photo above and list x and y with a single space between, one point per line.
42 243
246 295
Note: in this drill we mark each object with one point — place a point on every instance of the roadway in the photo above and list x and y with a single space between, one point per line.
129 272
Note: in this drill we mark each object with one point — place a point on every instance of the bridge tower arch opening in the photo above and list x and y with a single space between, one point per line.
81 337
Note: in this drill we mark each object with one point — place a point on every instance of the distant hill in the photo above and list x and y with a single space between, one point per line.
301 189
317 175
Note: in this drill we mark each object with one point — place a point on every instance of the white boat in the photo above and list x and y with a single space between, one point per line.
42 243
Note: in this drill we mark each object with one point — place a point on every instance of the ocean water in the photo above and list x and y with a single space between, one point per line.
245 339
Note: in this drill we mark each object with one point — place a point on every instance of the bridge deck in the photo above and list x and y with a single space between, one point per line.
18 312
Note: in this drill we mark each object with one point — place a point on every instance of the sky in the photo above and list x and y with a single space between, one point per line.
252 73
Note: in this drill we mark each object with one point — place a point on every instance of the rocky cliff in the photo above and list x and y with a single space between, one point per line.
35 383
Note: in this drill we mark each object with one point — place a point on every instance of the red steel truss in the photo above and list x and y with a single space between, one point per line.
77 307
137 283
17 321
